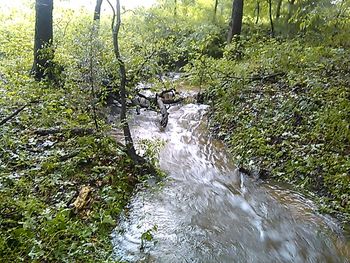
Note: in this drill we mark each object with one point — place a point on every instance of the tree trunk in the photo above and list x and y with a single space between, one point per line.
175 8
43 38
215 10
236 20
97 13
290 10
93 36
271 20
278 9
257 10
127 134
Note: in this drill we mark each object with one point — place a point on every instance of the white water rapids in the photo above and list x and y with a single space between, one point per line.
207 211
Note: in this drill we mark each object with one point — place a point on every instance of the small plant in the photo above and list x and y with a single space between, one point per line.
147 236
151 149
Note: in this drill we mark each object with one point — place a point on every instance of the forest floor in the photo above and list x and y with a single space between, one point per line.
283 109
62 183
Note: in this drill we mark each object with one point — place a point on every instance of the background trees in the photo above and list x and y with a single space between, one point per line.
43 53
116 23
97 12
285 97
236 19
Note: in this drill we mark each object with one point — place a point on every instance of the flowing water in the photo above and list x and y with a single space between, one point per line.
207 211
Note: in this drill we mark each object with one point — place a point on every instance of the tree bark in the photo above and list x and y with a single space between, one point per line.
94 35
236 20
116 22
97 13
215 10
43 38
271 20
290 10
278 9
257 10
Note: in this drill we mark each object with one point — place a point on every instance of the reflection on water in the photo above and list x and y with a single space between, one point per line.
207 211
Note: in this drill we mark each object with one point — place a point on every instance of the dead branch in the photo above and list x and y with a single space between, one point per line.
166 100
15 113
173 101
160 99
151 99
163 111
227 76
68 156
172 90
143 88
266 77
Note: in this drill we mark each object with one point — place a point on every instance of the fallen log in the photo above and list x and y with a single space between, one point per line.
73 131
157 100
68 156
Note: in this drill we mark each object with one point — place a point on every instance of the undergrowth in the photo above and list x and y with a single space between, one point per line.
63 182
283 108
42 177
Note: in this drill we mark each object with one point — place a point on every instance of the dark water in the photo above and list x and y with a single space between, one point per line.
207 211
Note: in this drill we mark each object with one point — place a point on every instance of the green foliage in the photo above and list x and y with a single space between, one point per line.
151 150
41 175
283 109
147 236
293 124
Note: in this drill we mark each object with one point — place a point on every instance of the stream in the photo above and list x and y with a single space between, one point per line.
207 211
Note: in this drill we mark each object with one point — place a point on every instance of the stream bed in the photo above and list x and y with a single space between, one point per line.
207 211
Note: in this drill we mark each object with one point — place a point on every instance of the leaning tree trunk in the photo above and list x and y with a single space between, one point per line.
236 20
43 38
127 134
